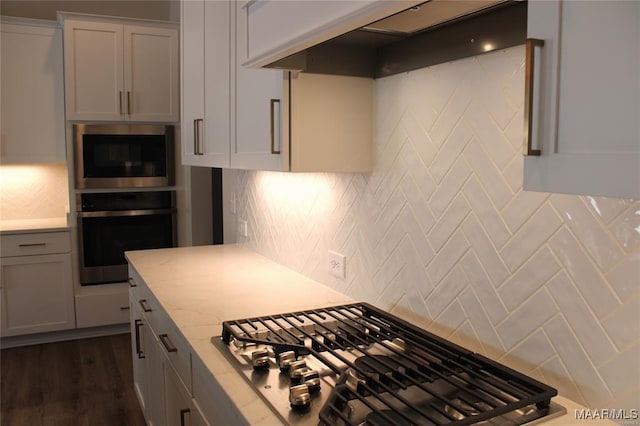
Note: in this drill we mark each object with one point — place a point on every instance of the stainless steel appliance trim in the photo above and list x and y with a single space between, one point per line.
124 213
123 129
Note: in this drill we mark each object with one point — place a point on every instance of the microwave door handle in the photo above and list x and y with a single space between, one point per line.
125 213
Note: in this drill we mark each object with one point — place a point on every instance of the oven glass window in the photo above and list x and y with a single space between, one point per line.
105 239
107 156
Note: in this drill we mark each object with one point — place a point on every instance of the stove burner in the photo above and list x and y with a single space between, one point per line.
385 417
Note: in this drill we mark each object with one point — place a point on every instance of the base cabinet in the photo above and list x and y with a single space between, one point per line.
36 289
161 368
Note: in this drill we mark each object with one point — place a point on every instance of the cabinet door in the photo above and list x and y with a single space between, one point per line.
177 407
587 95
151 73
94 87
37 294
258 110
32 95
140 340
277 28
206 90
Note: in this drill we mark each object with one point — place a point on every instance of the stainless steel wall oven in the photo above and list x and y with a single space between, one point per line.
123 155
114 222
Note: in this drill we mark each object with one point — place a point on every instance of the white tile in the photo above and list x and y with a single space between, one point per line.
421 211
531 235
486 212
485 250
576 362
583 273
490 93
617 372
526 319
626 228
488 133
513 174
448 321
598 243
488 175
623 326
438 83
412 228
625 277
607 208
513 133
522 207
502 67
530 353
445 260
449 187
450 151
448 222
422 181
451 114
529 278
477 316
483 288
418 137
556 375
447 291
581 319
389 212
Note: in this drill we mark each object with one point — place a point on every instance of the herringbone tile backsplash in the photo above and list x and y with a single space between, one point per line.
441 233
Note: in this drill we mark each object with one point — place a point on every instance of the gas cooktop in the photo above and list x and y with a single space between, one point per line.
358 365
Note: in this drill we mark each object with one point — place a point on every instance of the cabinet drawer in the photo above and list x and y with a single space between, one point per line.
35 244
94 310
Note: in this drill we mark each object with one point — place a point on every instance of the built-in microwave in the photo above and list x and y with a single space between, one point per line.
123 155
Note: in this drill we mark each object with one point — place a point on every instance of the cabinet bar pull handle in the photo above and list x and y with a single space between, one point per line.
166 342
529 71
145 306
274 124
138 324
197 136
182 413
33 245
121 103
132 283
124 308
128 102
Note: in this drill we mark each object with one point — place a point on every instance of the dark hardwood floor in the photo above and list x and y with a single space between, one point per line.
78 382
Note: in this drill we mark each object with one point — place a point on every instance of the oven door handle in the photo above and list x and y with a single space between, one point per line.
124 213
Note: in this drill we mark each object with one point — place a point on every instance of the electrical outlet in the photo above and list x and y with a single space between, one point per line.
336 264
232 203
242 225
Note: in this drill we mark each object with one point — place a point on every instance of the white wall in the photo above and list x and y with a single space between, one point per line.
441 233
163 10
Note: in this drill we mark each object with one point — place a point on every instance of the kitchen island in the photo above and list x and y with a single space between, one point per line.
200 287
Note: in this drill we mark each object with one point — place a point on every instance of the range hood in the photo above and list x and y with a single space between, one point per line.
433 32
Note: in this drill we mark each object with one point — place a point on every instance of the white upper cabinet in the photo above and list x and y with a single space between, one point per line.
276 29
32 90
258 109
206 82
261 119
585 115
118 70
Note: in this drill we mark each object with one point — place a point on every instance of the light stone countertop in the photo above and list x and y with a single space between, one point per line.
30 226
199 287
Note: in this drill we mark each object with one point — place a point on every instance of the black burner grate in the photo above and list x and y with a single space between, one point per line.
419 378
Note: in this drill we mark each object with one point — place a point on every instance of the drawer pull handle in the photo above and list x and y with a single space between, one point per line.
166 342
132 283
124 308
33 245
128 102
182 413
532 43
138 324
145 305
